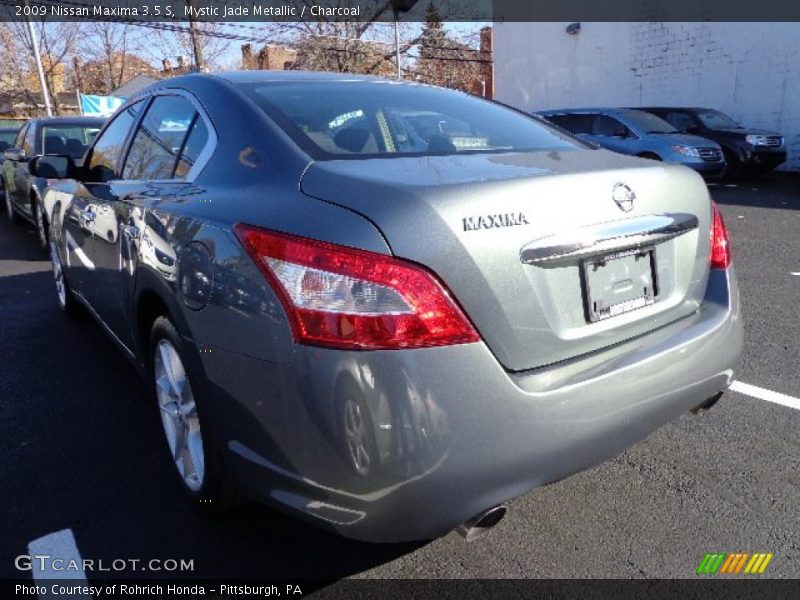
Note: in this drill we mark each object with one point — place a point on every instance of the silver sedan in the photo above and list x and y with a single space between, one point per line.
383 307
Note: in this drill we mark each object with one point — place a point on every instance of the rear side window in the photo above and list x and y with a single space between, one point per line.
354 119
193 147
107 152
159 139
578 123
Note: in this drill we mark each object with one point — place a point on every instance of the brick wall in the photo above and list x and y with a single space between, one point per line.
750 71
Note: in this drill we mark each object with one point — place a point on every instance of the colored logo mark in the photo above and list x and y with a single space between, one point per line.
734 564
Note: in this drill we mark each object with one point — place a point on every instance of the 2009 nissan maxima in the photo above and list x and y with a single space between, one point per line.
386 307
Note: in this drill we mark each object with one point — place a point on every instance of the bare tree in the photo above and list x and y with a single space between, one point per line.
14 78
112 52
57 44
363 46
446 61
167 44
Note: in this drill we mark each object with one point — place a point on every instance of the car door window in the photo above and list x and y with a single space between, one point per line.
193 147
608 126
159 139
107 151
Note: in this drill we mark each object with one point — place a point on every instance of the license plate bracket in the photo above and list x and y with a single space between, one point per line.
618 283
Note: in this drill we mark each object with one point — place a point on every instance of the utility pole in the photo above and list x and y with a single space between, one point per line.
397 42
399 6
199 63
42 82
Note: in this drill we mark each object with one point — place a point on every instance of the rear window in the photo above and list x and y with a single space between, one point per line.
367 119
69 140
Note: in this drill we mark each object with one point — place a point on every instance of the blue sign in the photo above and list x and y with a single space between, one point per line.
100 106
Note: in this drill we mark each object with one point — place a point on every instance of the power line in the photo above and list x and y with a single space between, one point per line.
177 28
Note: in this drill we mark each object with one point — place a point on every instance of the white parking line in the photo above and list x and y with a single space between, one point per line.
768 395
56 546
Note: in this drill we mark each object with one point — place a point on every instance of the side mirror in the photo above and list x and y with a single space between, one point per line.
17 154
52 167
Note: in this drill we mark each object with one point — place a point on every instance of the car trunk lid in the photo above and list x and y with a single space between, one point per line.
535 246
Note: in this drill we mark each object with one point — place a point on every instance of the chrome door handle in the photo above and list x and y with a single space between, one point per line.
605 237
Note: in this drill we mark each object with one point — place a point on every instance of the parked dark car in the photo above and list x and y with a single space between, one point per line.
69 136
388 308
747 151
7 137
640 134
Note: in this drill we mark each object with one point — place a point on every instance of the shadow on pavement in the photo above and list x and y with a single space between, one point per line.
774 190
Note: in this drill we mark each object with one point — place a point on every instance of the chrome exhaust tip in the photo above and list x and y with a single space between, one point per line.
479 525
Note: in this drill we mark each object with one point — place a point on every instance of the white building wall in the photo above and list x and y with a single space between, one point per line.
750 71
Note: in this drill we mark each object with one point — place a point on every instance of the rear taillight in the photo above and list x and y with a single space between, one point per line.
346 298
720 243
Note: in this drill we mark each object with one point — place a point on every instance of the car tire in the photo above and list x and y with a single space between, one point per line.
40 219
189 443
733 166
12 214
66 300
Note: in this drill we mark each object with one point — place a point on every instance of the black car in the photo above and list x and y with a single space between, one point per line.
747 151
68 136
7 137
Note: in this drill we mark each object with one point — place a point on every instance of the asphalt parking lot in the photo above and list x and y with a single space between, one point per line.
79 449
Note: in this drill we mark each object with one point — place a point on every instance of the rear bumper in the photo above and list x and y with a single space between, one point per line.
450 431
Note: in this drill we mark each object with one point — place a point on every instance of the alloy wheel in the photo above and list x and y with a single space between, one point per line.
179 415
58 273
9 208
40 224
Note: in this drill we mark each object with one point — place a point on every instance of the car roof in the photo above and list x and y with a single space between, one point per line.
691 108
194 80
69 120
578 111
275 76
